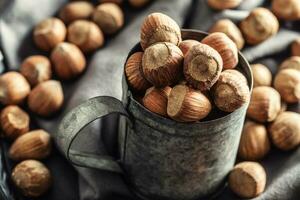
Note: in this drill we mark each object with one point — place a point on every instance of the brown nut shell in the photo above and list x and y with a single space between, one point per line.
46 98
231 30
158 27
119 2
14 121
265 104
202 66
32 145
156 100
109 17
259 26
286 9
285 131
187 105
231 91
287 83
247 179
162 64
254 143
76 10
86 35
138 3
32 178
291 63
185 45
295 48
134 74
68 61
225 47
14 88
36 69
48 33
223 4
262 76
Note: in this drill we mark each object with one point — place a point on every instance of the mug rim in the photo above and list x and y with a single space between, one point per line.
242 61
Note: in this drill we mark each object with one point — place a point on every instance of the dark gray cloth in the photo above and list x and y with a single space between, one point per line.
103 77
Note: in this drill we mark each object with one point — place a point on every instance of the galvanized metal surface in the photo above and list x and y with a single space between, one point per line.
161 158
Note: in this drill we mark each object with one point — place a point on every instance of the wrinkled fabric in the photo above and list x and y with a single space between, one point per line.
103 77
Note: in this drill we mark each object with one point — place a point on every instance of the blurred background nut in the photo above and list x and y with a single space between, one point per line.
133 72
254 143
36 69
248 179
109 17
285 131
261 75
76 10
287 83
185 45
223 4
138 3
68 61
32 178
32 145
46 98
265 104
291 63
158 27
231 30
119 2
156 100
14 121
225 47
231 91
48 33
14 88
86 35
295 48
260 25
286 9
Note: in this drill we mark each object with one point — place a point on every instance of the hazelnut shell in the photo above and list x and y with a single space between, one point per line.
296 47
223 4
262 76
286 9
185 45
291 63
76 10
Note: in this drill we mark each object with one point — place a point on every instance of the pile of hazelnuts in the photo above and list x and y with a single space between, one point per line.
180 79
267 122
34 83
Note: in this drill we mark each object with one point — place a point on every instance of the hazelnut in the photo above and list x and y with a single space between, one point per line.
223 4
231 91
14 121
86 35
13 88
32 145
231 30
287 83
69 62
119 2
46 98
291 63
133 72
158 27
185 45
156 100
261 75
36 69
162 64
202 66
296 47
286 9
248 179
285 131
187 105
264 104
138 3
48 33
109 17
260 25
254 144
32 178
76 10
225 47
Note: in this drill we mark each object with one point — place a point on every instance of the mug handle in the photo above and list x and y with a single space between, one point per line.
78 118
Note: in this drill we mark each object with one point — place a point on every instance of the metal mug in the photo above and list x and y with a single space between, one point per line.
161 158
